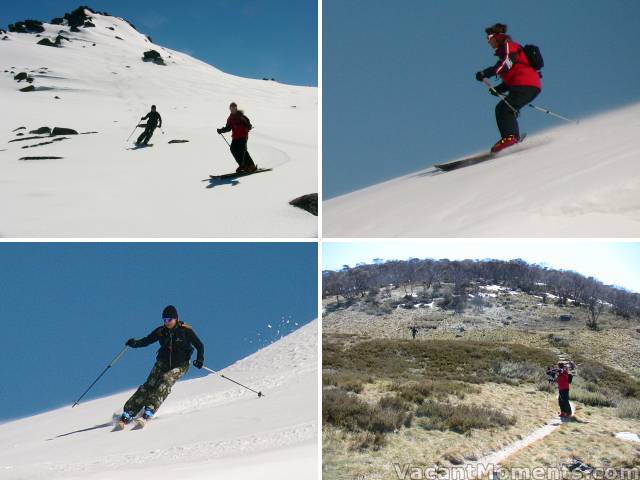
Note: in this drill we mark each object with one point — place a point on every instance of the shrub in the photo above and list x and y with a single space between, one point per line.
344 410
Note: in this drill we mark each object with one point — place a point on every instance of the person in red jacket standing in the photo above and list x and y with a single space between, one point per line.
239 125
562 377
519 78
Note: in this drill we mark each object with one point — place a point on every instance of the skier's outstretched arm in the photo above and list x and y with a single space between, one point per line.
145 117
160 121
143 342
197 343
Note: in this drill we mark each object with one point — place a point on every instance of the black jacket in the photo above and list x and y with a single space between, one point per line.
176 344
153 119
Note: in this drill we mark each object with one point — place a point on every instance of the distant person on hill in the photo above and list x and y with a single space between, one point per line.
563 378
519 78
177 340
414 332
154 120
239 125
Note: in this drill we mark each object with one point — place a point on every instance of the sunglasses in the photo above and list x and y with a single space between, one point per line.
167 320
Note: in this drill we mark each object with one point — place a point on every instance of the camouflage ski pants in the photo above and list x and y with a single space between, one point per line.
156 389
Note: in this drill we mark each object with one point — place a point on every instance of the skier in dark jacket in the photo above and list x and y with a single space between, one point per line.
154 120
177 340
239 125
519 78
562 377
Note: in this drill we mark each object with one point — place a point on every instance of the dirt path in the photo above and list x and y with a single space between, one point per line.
485 466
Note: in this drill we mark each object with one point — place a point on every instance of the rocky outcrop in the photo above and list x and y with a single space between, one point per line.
153 56
30 88
21 76
178 141
27 26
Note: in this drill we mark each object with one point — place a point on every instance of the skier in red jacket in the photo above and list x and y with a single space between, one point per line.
239 125
519 78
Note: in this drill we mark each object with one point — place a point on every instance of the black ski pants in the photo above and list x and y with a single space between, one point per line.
146 135
563 400
505 117
240 153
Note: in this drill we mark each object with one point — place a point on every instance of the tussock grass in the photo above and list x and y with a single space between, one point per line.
460 418
349 381
629 408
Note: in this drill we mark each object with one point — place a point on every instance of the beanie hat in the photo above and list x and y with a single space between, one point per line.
170 312
496 28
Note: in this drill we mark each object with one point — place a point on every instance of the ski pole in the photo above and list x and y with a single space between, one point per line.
504 99
113 362
260 394
133 130
549 112
225 140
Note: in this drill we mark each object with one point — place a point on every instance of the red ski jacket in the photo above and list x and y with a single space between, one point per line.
239 126
563 379
513 66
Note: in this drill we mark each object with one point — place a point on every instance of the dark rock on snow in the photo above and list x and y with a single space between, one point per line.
153 56
41 158
21 76
19 128
41 131
88 24
30 88
63 131
48 43
307 202
57 21
178 141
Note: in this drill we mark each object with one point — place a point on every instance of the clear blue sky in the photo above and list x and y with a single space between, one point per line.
613 263
67 310
250 38
399 92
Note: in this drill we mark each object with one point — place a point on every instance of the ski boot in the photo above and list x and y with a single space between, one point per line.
146 415
124 420
250 168
504 142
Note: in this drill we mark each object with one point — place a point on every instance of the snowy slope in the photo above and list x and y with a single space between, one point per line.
570 181
207 428
101 189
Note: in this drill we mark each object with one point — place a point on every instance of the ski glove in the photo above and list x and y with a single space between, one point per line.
219 130
198 364
131 342
479 76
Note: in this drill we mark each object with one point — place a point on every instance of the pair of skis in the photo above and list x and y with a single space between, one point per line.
474 159
138 424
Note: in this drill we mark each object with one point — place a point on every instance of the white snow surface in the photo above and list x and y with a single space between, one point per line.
101 189
208 428
569 181
629 436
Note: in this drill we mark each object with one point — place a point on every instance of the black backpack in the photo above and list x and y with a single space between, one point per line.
534 57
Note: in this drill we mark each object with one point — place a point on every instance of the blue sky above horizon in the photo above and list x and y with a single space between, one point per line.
71 307
249 38
399 92
613 263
